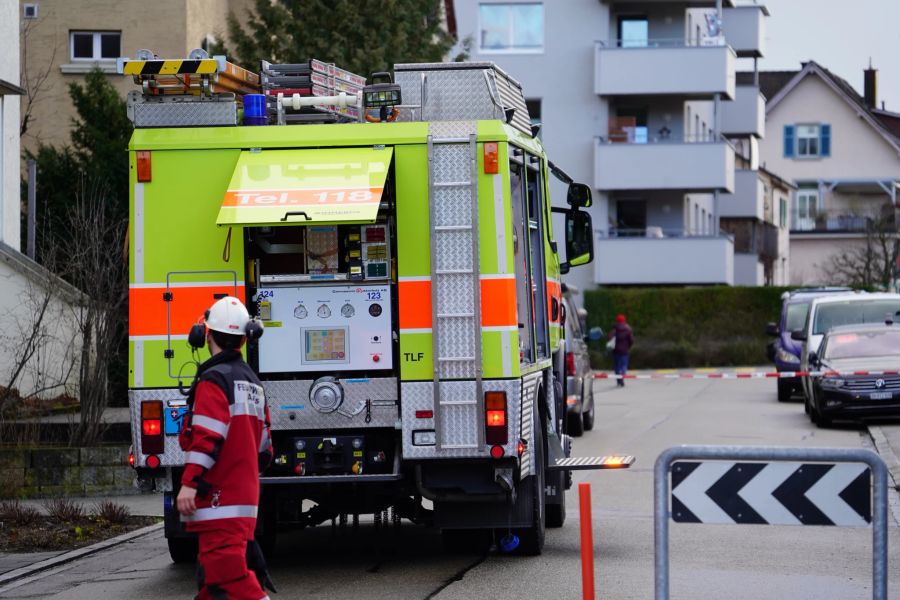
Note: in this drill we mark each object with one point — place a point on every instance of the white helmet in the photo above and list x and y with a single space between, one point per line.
228 315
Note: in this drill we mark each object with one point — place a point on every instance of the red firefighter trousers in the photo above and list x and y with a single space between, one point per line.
223 560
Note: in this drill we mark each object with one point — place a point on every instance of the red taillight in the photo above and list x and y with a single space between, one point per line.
151 427
144 172
152 461
520 447
152 441
570 364
495 418
496 452
424 414
131 459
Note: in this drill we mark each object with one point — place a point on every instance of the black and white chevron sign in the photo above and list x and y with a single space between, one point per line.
776 493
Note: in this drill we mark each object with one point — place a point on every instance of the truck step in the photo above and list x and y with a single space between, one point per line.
314 479
586 463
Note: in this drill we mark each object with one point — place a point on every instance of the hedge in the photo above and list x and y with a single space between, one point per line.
687 327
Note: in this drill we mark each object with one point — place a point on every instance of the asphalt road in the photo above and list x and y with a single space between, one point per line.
643 419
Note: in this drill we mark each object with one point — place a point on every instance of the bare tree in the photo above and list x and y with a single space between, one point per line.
95 262
871 262
34 77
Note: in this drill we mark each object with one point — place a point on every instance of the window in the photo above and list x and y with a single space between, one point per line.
95 45
807 141
782 213
634 32
30 11
807 209
534 112
512 27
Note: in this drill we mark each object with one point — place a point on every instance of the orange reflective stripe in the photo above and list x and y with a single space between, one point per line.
415 304
554 290
498 303
147 309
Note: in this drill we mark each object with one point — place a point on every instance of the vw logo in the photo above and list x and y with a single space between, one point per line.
879 383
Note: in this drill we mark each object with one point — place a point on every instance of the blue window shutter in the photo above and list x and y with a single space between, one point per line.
825 140
788 141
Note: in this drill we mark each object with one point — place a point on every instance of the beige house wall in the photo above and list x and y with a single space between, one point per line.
170 28
857 150
811 257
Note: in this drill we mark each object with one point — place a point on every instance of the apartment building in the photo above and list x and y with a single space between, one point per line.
62 40
639 99
842 152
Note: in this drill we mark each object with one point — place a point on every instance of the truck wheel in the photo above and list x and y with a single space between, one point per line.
576 425
532 538
183 549
784 391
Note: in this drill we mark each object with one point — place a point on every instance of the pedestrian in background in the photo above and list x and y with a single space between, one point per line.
623 337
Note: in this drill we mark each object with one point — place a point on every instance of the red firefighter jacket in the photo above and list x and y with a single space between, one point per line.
227 442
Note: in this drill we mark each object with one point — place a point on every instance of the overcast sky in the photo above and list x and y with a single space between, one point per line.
839 35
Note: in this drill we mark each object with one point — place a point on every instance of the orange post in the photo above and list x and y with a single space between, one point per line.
587 542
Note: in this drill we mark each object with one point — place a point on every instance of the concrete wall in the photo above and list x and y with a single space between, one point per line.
748 270
561 78
746 115
53 472
678 261
811 256
9 126
53 370
745 29
676 70
702 167
748 198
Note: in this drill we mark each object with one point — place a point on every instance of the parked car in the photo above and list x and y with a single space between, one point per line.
843 394
826 312
579 377
784 351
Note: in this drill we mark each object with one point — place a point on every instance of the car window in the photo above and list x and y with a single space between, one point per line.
796 315
852 312
863 345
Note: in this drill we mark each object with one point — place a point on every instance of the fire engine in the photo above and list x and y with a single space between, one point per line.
394 237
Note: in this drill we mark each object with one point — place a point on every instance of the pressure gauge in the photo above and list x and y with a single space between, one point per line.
324 312
300 311
347 310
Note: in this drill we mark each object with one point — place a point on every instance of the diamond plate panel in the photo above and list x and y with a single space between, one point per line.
454 250
172 455
453 206
418 396
184 114
452 162
290 408
455 293
529 395
452 129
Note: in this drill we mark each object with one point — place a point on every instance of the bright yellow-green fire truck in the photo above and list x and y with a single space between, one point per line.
395 240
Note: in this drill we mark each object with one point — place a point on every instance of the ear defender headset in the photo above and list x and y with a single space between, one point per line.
197 335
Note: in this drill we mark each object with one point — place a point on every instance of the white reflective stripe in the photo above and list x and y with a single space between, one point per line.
198 458
265 443
214 425
138 233
248 408
222 512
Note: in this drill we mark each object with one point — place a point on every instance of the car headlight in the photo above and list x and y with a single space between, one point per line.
834 382
785 356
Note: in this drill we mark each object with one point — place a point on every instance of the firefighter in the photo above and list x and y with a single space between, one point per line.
226 441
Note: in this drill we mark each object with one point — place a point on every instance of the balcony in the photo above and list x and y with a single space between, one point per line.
673 259
703 166
745 30
746 115
664 67
837 221
747 201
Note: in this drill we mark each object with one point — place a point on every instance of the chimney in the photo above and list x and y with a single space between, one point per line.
870 86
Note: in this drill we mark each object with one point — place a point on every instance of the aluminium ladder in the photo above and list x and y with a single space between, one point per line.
455 292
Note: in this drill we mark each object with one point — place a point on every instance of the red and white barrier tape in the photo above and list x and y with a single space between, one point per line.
751 375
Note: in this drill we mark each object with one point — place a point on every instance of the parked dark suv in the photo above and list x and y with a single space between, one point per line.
786 351
579 377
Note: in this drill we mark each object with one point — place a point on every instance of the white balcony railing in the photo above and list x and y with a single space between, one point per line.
746 115
703 166
748 199
745 29
666 260
664 67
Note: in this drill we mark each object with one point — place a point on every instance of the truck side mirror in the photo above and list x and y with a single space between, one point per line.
579 195
798 336
772 329
579 240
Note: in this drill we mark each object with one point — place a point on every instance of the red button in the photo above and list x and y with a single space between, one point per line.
376 358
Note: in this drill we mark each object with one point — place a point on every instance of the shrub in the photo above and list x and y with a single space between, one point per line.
112 512
15 512
65 510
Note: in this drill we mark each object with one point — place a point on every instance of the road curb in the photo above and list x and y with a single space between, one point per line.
886 452
72 555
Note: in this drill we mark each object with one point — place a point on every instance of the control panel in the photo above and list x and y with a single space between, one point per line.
325 328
